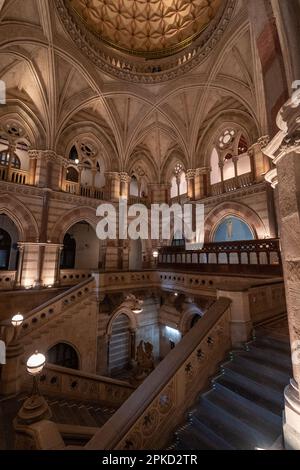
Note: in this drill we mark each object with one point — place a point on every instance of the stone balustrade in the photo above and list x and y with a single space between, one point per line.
69 277
50 310
13 175
75 384
7 280
146 420
232 184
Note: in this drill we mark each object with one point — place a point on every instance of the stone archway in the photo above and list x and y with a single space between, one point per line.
69 219
235 209
21 216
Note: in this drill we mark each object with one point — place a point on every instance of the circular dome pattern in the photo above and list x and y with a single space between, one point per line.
146 27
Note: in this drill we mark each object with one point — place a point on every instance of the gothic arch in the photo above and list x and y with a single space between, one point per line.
86 214
122 310
187 316
21 216
239 210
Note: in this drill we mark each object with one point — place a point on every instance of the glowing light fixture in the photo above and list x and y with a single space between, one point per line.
17 320
35 363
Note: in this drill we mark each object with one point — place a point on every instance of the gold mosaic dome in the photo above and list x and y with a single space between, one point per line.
146 27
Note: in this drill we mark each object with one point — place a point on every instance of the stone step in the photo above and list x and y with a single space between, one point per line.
191 439
251 395
268 354
274 343
257 377
227 426
260 431
241 404
269 371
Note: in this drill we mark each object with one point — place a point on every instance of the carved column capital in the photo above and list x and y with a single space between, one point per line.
190 174
124 177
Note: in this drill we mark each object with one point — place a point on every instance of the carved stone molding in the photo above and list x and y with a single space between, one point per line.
127 66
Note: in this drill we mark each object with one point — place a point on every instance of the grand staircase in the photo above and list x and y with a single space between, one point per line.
243 409
79 413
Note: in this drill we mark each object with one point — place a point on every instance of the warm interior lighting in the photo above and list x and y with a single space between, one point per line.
155 254
17 320
137 310
35 363
76 161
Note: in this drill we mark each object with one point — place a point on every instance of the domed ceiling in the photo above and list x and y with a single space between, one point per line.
147 28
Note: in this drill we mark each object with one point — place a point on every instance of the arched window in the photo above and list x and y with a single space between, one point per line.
4 159
119 346
72 174
215 176
73 155
67 260
5 247
178 181
134 187
243 145
233 228
230 144
64 355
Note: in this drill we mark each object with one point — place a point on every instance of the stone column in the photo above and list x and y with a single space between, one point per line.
20 266
32 169
11 151
190 178
159 193
260 164
284 149
113 185
63 175
201 182
124 185
34 156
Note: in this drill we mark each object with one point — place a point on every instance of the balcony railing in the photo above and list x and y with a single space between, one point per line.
254 256
239 182
13 175
84 190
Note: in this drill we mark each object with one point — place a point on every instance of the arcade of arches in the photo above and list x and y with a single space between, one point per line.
203 109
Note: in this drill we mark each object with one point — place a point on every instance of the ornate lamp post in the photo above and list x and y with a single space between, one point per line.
35 408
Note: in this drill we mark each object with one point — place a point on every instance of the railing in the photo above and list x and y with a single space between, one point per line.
71 187
138 200
69 277
239 182
7 280
13 175
51 309
255 256
147 419
89 191
75 384
84 190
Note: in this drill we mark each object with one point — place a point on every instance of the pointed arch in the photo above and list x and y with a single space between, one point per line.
67 220
235 209
21 216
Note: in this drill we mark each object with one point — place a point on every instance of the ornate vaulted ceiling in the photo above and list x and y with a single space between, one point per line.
146 27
